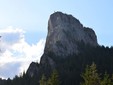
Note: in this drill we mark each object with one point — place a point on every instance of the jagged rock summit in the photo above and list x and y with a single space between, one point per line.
65 32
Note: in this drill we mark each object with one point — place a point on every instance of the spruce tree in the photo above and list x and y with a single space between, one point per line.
43 80
106 80
91 76
54 78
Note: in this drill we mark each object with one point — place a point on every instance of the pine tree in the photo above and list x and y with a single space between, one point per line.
90 76
43 80
54 78
106 80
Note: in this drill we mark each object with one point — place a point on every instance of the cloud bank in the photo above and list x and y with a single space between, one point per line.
15 53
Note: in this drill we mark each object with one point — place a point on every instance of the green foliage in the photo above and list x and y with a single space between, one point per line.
73 65
106 80
43 80
91 76
54 78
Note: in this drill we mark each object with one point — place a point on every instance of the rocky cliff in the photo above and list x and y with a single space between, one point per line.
64 34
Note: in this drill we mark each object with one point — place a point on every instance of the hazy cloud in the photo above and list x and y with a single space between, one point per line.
15 53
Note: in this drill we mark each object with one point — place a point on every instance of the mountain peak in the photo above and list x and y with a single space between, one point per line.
66 36
58 17
63 16
64 32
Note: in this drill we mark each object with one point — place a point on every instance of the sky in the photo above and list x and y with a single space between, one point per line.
23 27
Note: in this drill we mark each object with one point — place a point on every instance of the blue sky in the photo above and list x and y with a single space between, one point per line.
23 24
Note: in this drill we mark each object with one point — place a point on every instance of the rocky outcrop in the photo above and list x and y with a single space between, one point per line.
64 32
45 59
33 69
46 63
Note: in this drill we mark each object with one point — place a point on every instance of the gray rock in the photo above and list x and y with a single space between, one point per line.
46 60
64 32
33 69
46 63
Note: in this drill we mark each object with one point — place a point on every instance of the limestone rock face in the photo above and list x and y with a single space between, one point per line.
64 32
33 69
47 60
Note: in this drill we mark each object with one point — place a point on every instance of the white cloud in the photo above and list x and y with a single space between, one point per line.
15 53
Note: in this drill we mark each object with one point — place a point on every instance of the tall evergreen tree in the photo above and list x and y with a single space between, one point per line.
90 76
106 80
43 80
54 78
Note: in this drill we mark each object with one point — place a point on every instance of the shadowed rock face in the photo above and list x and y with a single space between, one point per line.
64 32
33 69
